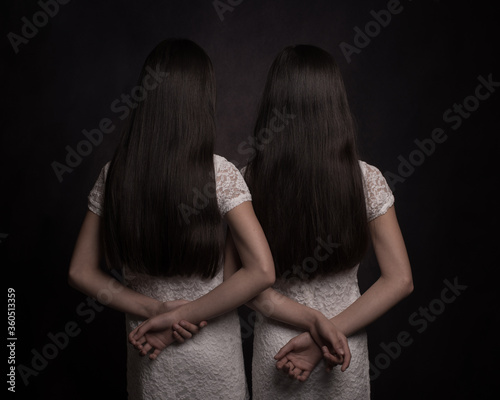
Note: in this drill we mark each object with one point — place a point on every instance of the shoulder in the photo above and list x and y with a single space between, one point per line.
368 169
371 174
101 179
222 163
105 169
231 187
378 195
96 195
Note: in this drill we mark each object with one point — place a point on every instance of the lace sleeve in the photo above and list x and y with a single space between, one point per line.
96 196
378 195
232 189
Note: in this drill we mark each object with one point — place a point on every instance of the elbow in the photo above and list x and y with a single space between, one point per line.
268 276
71 279
407 286
272 278
74 277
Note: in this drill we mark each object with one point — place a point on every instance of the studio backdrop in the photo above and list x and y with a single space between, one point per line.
424 89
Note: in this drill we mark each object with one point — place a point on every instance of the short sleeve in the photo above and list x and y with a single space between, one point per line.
378 195
231 188
96 196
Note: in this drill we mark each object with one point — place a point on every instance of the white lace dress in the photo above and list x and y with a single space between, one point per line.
210 365
330 295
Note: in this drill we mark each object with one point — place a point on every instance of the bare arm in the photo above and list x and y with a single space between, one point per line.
270 303
394 284
256 274
276 306
86 276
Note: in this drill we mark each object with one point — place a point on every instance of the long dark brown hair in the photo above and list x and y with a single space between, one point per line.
304 176
163 161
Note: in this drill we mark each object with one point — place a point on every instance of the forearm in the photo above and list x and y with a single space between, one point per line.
394 284
110 292
235 291
247 243
86 276
377 300
273 304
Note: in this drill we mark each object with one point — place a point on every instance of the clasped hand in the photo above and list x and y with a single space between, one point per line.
158 332
300 355
297 358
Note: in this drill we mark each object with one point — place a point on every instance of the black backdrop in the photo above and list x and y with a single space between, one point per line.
423 90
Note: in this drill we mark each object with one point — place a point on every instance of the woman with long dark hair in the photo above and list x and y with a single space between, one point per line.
157 213
319 206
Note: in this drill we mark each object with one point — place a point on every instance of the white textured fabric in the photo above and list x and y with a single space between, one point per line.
210 365
329 294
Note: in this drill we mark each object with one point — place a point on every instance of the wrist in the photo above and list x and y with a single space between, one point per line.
312 319
340 324
156 308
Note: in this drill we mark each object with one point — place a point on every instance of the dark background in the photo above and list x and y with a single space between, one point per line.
427 58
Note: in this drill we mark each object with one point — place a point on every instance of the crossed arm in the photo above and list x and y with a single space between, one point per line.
256 275
86 276
300 355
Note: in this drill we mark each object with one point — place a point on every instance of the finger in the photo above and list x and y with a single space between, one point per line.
178 337
347 356
145 349
141 330
139 342
331 358
181 331
290 368
131 336
281 363
338 346
330 365
203 324
287 348
303 376
286 367
188 326
295 373
154 354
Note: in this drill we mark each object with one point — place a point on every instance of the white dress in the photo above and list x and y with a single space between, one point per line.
209 365
330 295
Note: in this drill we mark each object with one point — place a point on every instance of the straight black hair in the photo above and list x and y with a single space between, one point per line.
164 158
304 176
